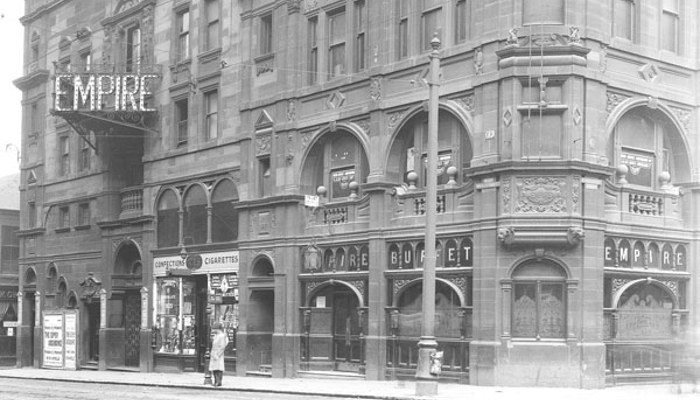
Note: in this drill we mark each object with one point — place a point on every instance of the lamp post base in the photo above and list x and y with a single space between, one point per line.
426 383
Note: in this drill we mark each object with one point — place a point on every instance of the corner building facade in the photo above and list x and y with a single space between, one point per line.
567 187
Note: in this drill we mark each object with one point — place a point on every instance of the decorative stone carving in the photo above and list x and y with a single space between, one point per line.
506 235
117 241
265 66
365 125
617 284
574 37
649 72
394 119
310 286
263 145
306 139
478 61
468 103
375 89
614 99
603 57
335 100
360 285
291 110
83 33
512 39
460 282
310 5
236 176
653 102
683 117
507 117
398 284
673 286
505 184
574 235
90 287
546 40
539 194
577 116
293 6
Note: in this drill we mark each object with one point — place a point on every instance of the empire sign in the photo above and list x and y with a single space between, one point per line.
93 92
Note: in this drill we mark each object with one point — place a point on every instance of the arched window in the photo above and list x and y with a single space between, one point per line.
409 150
539 301
168 220
194 216
52 278
447 304
61 294
224 217
333 162
651 148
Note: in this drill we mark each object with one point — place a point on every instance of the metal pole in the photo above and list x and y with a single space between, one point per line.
426 383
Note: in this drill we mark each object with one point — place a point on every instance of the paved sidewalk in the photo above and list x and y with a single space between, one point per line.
360 389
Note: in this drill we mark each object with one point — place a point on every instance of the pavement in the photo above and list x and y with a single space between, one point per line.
353 388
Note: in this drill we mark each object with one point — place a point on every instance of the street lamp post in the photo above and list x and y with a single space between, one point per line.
426 382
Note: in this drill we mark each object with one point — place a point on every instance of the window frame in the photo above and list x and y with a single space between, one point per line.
266 33
462 27
182 33
360 35
134 47
403 36
208 95
340 45
427 37
31 214
84 156
313 49
181 125
84 214
675 16
632 17
64 154
213 23
64 217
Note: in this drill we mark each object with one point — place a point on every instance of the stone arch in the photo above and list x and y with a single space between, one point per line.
30 276
72 300
529 259
127 254
663 112
307 176
451 285
51 277
649 281
450 107
263 266
167 216
331 282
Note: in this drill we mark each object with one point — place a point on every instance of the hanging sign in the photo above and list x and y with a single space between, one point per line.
95 92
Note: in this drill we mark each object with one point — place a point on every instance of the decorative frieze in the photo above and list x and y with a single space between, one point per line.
540 194
263 145
375 89
614 99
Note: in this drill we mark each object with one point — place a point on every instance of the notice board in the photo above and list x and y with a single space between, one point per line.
60 339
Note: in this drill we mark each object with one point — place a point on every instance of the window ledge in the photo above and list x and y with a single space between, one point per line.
82 227
62 230
209 55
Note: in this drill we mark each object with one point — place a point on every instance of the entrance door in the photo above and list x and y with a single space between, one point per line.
93 310
346 330
132 328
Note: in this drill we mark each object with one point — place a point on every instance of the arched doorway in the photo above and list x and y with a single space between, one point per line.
643 332
335 340
126 300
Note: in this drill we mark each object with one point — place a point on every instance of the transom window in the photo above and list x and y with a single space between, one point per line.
539 301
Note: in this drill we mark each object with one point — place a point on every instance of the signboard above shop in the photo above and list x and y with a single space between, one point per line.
195 264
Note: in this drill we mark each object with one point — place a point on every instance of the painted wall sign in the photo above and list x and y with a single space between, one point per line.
455 253
93 92
635 253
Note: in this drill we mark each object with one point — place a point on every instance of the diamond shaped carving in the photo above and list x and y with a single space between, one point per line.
507 117
577 116
335 100
649 72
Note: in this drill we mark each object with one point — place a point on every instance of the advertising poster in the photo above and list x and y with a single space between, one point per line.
53 341
71 341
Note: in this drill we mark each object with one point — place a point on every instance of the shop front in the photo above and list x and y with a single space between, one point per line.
191 294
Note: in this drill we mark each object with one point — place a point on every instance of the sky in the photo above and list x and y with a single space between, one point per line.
10 96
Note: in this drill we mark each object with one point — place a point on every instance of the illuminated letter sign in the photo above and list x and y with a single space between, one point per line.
95 92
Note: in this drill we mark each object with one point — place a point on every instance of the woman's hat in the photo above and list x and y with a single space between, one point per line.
217 325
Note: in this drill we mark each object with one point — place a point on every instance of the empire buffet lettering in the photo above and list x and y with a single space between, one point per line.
93 91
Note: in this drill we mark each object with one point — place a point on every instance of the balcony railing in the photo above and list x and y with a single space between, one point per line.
131 201
652 206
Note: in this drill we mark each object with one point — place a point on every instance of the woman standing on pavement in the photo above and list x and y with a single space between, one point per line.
216 360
